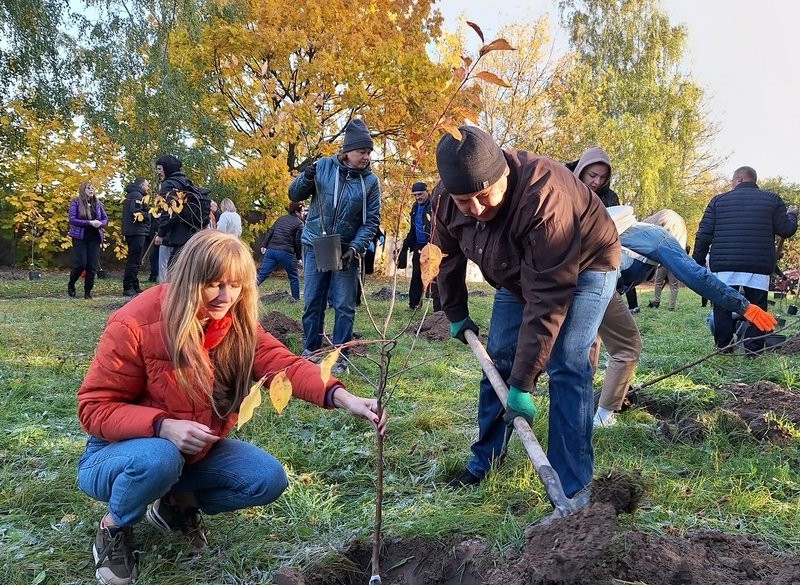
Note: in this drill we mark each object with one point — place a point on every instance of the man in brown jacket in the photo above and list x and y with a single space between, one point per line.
548 246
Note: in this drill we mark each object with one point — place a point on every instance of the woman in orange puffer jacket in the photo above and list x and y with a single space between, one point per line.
163 392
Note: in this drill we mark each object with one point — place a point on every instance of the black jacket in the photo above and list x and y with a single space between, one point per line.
739 228
177 228
285 235
135 212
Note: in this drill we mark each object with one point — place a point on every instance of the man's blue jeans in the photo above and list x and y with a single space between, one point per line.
569 447
133 473
657 244
338 286
287 260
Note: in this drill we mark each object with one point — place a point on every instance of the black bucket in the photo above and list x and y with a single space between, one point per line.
328 252
792 310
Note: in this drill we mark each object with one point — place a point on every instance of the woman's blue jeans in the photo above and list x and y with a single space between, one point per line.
287 260
569 446
338 286
133 473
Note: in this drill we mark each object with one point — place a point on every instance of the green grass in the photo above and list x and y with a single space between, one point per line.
47 525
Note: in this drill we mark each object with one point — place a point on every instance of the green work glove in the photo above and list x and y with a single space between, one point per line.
520 403
457 329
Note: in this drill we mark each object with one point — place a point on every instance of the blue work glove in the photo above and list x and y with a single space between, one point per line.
520 403
381 240
457 329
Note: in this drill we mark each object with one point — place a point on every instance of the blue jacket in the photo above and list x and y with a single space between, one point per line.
739 227
357 212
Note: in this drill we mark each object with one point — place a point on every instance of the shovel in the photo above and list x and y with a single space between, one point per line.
563 505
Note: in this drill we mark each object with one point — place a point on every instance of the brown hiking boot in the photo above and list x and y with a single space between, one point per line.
167 518
114 557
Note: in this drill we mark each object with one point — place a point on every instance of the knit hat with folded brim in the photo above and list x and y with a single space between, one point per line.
356 136
471 164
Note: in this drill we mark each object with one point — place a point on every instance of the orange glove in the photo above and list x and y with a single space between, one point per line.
760 318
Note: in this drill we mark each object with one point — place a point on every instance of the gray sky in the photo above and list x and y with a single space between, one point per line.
741 54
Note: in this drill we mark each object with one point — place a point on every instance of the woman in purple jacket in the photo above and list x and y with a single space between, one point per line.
87 218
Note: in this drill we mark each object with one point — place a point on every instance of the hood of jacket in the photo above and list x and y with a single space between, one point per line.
134 191
590 156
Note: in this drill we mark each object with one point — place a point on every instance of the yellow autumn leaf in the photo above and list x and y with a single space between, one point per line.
326 365
430 258
453 131
491 78
250 403
138 216
280 391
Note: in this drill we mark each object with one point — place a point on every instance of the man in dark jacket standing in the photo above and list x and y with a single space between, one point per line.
739 229
176 227
282 247
135 228
419 234
548 246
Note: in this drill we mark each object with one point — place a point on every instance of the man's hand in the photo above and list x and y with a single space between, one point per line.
348 257
310 172
760 318
366 408
520 403
188 436
457 329
158 240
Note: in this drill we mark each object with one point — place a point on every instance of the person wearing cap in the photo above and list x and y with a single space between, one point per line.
173 231
547 244
419 234
345 200
282 247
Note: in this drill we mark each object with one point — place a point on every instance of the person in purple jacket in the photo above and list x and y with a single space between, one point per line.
87 220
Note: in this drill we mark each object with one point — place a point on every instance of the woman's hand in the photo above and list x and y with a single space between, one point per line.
366 408
188 436
95 223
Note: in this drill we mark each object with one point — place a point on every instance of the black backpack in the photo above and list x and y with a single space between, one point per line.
196 209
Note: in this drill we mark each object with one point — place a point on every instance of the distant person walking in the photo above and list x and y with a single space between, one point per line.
738 232
282 247
135 228
419 234
87 220
229 220
663 275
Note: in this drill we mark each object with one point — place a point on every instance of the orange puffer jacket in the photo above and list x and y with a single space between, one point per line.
131 382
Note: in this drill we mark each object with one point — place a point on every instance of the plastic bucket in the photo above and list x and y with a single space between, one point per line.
328 252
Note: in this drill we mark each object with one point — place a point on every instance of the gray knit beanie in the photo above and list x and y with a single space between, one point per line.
471 164
356 136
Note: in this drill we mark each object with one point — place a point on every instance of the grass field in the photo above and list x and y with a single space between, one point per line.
47 525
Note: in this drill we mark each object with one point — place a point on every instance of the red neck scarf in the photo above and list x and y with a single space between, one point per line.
216 330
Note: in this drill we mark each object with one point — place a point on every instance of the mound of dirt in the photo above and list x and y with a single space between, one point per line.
280 326
789 347
759 404
435 327
276 297
384 294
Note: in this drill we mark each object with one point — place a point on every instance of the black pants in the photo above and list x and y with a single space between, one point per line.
631 297
86 257
724 324
130 279
415 288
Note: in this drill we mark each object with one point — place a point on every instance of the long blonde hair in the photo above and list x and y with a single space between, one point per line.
85 203
211 256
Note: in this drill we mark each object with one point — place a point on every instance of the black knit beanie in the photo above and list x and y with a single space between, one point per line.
171 164
356 136
471 164
418 187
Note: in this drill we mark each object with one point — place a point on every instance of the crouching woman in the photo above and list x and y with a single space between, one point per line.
163 392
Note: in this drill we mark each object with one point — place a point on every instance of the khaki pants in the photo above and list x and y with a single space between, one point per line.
621 338
662 274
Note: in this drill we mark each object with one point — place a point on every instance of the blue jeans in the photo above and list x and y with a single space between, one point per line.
133 473
657 244
341 287
569 446
286 260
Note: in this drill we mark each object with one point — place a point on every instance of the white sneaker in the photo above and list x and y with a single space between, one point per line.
604 421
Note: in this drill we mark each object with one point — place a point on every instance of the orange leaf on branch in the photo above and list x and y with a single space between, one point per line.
491 78
326 364
430 258
452 130
496 45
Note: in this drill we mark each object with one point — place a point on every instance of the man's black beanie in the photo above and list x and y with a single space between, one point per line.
418 187
171 164
471 164
356 136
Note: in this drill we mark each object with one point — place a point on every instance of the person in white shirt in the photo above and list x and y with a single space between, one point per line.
229 222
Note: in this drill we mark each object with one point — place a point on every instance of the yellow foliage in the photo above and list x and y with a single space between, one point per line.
250 403
326 364
280 391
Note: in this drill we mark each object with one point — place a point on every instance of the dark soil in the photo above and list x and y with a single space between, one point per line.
280 326
276 297
435 327
383 294
756 404
789 347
